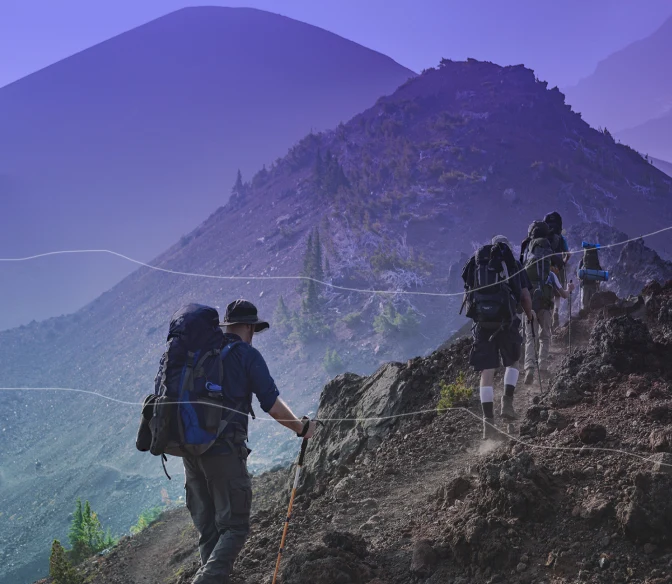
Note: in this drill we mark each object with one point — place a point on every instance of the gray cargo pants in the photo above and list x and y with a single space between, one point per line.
219 497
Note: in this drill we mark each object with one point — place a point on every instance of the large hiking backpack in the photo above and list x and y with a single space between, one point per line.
590 259
488 293
537 263
554 222
187 412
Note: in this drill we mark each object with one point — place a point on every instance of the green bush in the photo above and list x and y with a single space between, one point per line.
146 518
454 394
332 362
353 320
392 322
86 534
60 569
307 328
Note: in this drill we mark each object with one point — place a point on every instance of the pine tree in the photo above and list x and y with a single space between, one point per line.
60 569
283 318
76 533
311 300
317 271
319 168
238 187
308 259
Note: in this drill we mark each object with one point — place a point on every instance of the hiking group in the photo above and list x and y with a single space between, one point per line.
210 372
515 303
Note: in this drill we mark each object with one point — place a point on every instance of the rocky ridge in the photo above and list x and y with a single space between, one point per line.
579 494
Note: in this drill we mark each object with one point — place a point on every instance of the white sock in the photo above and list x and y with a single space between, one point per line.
487 395
511 376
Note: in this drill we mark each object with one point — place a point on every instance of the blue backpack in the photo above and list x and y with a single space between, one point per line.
186 413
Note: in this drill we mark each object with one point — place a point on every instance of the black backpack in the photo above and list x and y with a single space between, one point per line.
554 222
590 259
537 263
186 414
489 296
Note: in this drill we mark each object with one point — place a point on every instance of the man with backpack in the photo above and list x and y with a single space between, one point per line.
203 394
542 266
561 249
493 289
590 275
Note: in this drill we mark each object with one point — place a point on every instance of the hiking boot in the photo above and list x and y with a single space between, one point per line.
507 412
529 377
489 430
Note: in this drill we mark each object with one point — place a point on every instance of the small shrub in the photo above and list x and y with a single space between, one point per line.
454 394
86 534
332 362
353 320
146 518
60 568
392 322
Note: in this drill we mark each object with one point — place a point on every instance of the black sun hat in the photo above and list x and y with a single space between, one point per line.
243 312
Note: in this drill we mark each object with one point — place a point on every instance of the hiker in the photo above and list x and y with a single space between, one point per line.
590 275
493 289
561 249
542 267
218 486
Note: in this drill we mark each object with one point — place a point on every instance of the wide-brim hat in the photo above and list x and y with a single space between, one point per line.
243 312
502 239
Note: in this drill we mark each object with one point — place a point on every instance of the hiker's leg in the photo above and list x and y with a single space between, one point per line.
556 315
510 344
231 489
545 318
484 357
487 392
200 507
530 349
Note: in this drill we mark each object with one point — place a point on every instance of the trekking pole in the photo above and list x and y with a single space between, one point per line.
536 355
304 444
569 333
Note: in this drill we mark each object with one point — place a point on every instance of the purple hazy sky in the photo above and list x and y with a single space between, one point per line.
562 40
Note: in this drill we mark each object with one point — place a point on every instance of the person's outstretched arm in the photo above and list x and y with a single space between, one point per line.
283 415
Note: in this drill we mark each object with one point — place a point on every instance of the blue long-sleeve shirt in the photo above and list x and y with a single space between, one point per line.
245 374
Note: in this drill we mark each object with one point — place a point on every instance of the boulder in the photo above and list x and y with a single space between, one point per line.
661 440
646 512
424 558
592 433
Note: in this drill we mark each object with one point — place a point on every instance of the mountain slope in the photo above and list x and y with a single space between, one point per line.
129 144
664 166
653 137
399 194
630 86
578 492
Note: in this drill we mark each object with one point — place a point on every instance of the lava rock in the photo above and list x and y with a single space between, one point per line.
601 299
647 511
662 462
661 440
424 559
592 433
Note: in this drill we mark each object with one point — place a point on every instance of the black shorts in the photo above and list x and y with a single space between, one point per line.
503 350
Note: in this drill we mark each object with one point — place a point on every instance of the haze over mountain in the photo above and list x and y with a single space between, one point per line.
630 93
398 195
131 143
663 165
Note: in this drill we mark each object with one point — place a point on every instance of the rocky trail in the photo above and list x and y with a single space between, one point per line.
579 493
